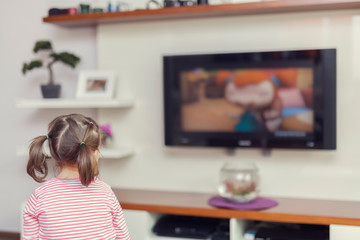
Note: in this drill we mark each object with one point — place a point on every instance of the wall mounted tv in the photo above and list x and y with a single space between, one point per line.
277 99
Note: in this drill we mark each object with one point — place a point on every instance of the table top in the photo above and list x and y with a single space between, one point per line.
295 210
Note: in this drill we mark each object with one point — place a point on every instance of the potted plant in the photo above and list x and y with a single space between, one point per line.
50 90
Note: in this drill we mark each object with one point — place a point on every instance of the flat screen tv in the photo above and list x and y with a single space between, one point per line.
274 99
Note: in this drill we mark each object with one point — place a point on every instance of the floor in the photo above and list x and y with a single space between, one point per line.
9 236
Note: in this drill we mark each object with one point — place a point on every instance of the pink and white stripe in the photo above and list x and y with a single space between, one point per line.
65 209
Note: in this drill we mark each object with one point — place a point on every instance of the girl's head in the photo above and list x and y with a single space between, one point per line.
73 141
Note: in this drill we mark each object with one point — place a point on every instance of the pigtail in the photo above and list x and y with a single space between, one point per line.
87 159
37 167
87 164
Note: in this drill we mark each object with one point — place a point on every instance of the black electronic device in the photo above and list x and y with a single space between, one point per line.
275 99
172 3
185 226
202 2
279 233
58 11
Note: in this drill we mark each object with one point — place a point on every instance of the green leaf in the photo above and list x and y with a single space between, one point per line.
33 64
67 58
24 68
42 45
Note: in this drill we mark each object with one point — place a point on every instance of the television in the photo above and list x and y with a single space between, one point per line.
272 99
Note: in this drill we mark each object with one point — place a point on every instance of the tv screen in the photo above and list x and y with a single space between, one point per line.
279 99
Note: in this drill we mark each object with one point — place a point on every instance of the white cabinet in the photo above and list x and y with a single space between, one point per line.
140 224
342 232
143 207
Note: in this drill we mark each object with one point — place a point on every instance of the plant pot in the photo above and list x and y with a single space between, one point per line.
51 91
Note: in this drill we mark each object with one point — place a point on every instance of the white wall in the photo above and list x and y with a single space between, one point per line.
20 26
135 50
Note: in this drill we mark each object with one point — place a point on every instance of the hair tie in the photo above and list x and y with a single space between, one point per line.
47 136
82 143
91 123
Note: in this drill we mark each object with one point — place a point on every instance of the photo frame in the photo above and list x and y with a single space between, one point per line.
96 84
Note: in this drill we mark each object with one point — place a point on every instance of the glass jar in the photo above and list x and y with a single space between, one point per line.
239 182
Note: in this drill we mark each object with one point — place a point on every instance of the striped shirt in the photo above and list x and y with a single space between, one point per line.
65 209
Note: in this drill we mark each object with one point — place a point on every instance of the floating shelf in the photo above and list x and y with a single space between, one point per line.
105 153
115 153
200 11
73 103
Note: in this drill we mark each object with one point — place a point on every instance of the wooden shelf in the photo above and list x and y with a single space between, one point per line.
73 103
266 7
305 211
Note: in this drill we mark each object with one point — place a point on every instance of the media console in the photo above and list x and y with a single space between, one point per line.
339 215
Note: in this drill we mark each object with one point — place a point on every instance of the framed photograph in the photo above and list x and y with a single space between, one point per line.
96 85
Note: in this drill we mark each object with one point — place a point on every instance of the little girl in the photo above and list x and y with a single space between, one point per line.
75 204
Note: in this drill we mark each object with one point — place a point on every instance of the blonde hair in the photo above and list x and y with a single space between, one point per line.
73 139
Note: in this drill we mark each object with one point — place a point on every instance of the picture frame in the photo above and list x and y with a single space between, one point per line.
96 84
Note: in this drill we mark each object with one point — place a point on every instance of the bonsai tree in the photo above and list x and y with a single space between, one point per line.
64 57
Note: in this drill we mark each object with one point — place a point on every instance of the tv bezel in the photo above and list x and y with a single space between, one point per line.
324 65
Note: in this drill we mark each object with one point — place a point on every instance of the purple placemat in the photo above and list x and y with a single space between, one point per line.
258 203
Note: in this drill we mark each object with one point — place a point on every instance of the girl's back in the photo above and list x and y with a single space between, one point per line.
66 209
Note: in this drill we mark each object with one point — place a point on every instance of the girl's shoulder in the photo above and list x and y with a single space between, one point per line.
104 186
45 186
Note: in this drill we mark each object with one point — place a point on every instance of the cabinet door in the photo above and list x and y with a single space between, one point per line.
341 232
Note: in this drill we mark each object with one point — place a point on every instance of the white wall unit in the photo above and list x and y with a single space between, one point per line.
286 173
